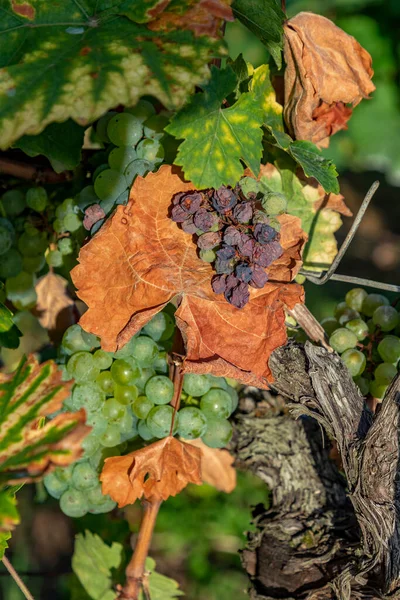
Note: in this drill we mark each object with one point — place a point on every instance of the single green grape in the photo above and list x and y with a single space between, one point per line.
159 421
372 302
385 373
216 403
377 390
123 372
103 360
144 350
139 166
120 158
73 503
274 203
330 324
102 124
218 434
106 507
343 339
124 129
84 476
363 384
88 395
359 328
196 385
54 485
355 298
142 110
355 361
113 410
141 406
389 349
159 389
81 367
343 313
192 423
128 425
145 375
13 202
97 421
65 246
150 150
109 184
144 431
11 264
207 255
36 199
234 397
217 382
161 363
72 222
64 473
54 258
386 317
95 496
73 340
106 382
32 245
160 328
111 437
33 264
125 394
154 126
90 444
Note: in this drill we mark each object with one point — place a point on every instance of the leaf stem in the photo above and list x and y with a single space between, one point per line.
22 170
17 579
283 4
176 359
135 571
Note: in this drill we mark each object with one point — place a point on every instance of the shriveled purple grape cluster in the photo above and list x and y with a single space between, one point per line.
234 234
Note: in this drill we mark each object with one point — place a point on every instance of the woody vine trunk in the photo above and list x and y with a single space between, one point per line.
332 531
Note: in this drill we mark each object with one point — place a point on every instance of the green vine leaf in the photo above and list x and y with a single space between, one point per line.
77 60
9 332
216 139
160 586
9 517
92 562
61 143
265 19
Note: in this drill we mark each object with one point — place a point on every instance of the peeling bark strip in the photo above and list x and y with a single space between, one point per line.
311 544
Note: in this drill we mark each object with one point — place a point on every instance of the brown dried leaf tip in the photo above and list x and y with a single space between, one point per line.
326 70
155 472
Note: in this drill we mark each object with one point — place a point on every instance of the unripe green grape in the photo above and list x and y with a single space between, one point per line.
218 434
73 503
13 202
216 382
65 246
95 496
372 302
339 309
144 431
196 385
120 158
86 197
377 390
96 173
142 110
143 378
54 485
355 361
90 339
36 199
385 373
64 473
90 444
348 315
88 395
144 350
161 363
386 317
192 423
54 258
124 129
274 203
216 404
102 124
10 264
58 225
84 476
106 382
111 437
102 359
125 394
160 328
123 372
73 340
150 150
207 255
98 422
113 410
109 184
234 397
32 245
358 327
363 384
72 222
159 389
154 126
81 367
97 460
330 324
21 290
343 339
140 167
389 349
66 207
33 264
106 507
355 298
159 421
141 407
128 426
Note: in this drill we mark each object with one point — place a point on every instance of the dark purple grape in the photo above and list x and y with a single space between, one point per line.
246 245
243 212
191 202
238 296
231 281
244 272
226 252
259 278
188 226
264 255
218 283
224 199
264 233
232 236
224 266
206 241
260 216
178 214
203 219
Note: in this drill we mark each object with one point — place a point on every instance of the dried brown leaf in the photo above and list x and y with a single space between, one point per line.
205 17
155 472
216 467
140 260
54 307
326 69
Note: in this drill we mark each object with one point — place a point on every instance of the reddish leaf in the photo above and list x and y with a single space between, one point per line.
326 69
140 260
93 213
205 17
216 467
155 472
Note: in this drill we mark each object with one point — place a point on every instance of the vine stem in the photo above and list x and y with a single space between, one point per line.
283 4
32 172
135 571
17 579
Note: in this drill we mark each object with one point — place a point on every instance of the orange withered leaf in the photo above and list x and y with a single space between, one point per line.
155 472
216 466
326 70
140 260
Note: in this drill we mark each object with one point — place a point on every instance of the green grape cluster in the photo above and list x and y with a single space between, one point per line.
365 331
34 230
127 398
132 146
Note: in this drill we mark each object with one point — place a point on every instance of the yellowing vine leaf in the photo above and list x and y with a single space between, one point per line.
216 466
28 448
326 69
140 260
155 472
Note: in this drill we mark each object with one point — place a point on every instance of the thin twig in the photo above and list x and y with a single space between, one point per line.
135 571
283 4
17 579
32 172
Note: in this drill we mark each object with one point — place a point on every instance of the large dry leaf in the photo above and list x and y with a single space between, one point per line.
326 70
140 260
216 466
54 307
155 472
